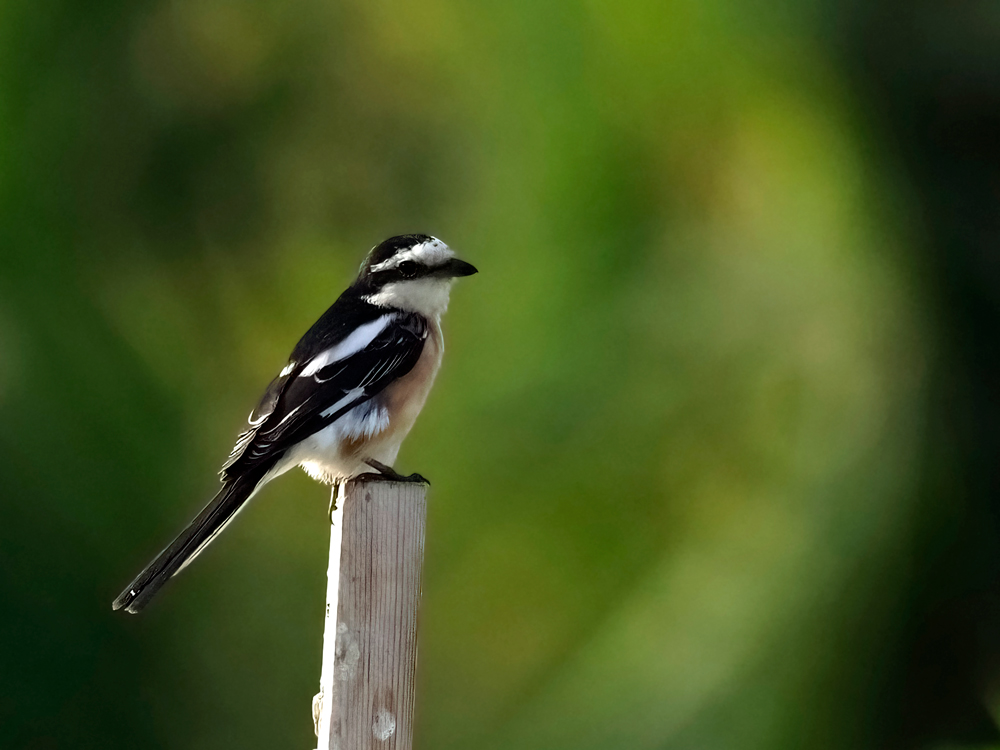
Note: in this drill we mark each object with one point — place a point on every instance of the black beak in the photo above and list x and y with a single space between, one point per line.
455 268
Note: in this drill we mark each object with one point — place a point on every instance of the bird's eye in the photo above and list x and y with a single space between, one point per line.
408 268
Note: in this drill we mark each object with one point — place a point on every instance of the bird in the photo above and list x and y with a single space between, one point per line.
342 405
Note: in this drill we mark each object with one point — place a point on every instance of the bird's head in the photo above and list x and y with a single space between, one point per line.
411 272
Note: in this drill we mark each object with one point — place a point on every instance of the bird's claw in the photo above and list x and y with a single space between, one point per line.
385 473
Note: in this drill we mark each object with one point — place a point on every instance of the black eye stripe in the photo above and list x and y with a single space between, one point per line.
402 270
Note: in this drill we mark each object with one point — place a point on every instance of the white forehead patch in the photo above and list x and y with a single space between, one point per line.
431 253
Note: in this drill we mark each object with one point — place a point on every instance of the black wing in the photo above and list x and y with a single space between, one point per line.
311 394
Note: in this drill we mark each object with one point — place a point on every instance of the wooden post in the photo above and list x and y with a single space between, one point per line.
367 693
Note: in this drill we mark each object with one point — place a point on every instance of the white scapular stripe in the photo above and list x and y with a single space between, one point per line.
354 343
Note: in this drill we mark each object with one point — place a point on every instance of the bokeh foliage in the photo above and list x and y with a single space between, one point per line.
676 442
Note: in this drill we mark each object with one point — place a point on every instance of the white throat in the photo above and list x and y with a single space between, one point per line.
428 296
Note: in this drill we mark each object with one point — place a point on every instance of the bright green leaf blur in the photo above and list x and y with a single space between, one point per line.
673 444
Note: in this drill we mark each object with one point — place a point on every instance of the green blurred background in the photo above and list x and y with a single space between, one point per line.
715 444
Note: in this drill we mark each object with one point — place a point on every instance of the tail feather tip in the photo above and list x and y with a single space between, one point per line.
126 601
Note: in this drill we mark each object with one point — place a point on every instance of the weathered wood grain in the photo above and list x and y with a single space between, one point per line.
370 639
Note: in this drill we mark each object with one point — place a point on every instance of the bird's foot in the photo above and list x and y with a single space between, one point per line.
385 473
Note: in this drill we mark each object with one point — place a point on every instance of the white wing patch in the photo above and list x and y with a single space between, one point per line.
352 395
361 337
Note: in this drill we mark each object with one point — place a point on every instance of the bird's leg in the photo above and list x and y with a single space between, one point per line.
317 710
334 493
385 473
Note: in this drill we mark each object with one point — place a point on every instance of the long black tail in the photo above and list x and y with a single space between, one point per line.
202 530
